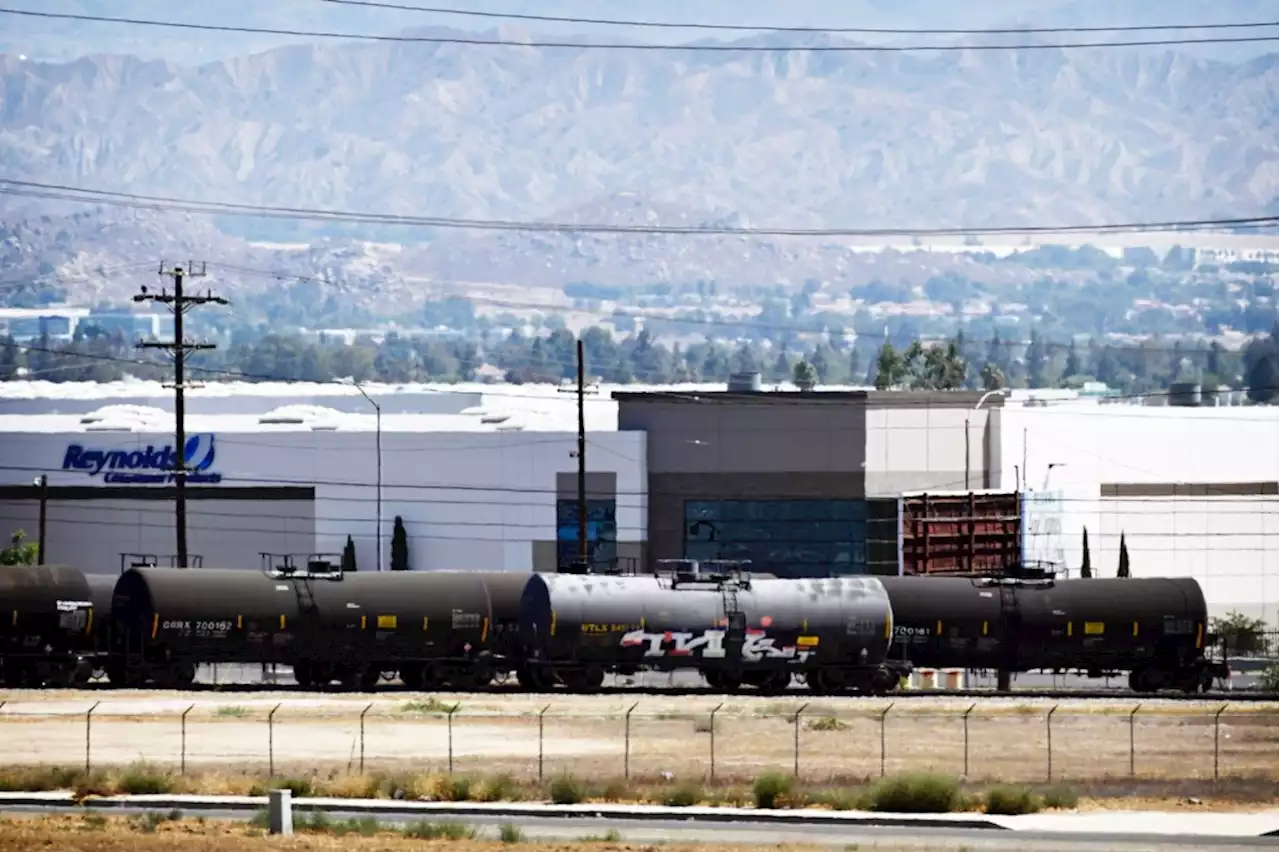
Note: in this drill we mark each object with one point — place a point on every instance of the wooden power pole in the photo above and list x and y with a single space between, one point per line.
179 302
584 556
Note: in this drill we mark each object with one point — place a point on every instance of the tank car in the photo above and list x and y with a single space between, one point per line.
1152 628
735 630
431 628
45 618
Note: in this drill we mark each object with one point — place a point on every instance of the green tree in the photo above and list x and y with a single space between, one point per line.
1260 373
1124 558
890 367
992 377
349 556
1240 634
399 546
1086 568
20 551
804 375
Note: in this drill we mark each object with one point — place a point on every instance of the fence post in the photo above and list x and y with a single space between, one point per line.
88 735
542 713
1048 730
713 739
626 753
363 713
883 715
795 769
1133 751
452 710
183 770
966 738
271 741
1217 728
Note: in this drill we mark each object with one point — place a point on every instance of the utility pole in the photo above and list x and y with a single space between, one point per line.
584 560
179 302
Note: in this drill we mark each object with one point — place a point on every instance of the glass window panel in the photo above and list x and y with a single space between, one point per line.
702 510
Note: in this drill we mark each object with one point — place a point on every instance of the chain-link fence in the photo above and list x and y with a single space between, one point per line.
688 738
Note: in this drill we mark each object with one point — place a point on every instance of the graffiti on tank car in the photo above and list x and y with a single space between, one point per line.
709 644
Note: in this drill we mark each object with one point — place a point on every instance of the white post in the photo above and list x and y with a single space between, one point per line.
280 811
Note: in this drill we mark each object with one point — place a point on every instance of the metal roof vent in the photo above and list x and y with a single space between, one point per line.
744 383
498 417
136 413
299 415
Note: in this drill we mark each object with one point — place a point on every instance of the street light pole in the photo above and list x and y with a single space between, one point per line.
42 481
377 443
967 450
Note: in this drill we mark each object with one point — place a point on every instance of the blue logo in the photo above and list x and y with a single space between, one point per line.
152 465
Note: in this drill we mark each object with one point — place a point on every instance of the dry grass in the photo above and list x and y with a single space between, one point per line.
774 786
159 834
1006 741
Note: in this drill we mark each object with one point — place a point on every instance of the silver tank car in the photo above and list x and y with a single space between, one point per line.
835 633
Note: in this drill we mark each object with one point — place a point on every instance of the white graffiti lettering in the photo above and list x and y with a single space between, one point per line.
710 645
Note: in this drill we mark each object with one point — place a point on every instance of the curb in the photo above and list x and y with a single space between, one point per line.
250 804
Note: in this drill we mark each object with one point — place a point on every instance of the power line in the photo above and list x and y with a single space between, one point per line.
1178 505
125 199
648 24
584 45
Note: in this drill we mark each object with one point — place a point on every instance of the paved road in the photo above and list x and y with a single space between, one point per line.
759 834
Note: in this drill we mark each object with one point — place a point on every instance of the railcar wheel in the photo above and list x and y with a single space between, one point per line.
411 677
594 676
368 678
825 681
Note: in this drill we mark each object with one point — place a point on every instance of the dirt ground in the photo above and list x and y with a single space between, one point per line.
120 834
1007 739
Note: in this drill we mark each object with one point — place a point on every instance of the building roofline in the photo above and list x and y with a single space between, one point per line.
871 398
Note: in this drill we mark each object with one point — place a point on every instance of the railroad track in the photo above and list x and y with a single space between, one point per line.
1116 695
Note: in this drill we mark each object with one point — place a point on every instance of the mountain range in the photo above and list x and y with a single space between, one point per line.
786 138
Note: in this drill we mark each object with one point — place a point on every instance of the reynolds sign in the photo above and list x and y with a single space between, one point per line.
150 465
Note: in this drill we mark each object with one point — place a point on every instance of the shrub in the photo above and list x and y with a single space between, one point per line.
567 790
684 795
511 834
500 788
768 787
141 780
915 794
1012 801
424 830
1059 796
458 789
299 787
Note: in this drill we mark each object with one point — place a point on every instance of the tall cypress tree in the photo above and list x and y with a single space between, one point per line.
1086 567
349 556
1124 558
399 546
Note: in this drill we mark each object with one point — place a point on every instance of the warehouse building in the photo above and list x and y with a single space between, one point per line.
481 480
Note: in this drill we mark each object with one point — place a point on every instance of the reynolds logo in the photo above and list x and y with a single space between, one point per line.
151 465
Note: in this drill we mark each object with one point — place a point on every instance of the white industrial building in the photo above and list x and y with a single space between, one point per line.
1193 490
295 471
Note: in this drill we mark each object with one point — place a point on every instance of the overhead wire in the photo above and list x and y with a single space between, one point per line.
168 203
688 25
640 46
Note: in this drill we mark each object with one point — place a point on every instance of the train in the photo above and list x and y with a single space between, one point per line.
465 631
